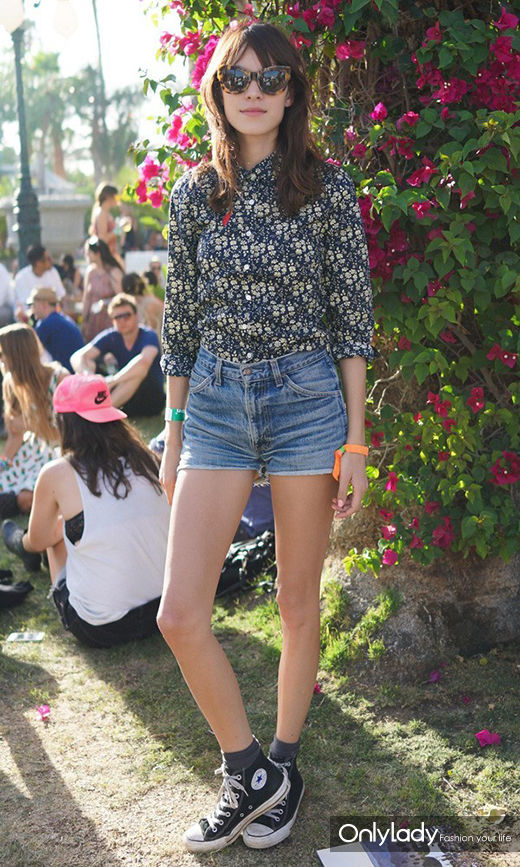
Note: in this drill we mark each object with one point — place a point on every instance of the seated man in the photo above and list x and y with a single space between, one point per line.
39 272
60 336
137 386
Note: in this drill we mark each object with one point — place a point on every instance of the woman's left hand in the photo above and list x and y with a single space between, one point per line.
352 472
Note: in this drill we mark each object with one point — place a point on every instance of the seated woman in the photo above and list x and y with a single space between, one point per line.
102 516
32 437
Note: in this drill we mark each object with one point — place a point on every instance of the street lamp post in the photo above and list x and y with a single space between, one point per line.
26 210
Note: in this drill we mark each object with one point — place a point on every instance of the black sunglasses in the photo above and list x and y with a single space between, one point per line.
125 315
270 80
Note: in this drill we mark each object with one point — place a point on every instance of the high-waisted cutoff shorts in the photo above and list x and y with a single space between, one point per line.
280 416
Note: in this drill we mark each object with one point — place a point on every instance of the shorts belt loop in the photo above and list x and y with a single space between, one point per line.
276 372
218 371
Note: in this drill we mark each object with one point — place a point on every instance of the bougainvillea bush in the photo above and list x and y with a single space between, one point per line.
420 104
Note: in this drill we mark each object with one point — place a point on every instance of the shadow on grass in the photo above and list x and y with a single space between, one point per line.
36 806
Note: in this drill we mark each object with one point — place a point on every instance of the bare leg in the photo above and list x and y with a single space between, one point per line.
303 517
206 510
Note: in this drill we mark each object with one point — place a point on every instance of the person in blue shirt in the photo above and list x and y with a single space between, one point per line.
132 351
59 335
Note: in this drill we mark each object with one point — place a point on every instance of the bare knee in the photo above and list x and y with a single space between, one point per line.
180 626
299 607
24 501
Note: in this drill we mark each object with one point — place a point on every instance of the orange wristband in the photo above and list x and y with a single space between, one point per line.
348 447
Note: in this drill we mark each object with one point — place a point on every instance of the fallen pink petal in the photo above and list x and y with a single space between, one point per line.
485 738
317 688
435 676
43 712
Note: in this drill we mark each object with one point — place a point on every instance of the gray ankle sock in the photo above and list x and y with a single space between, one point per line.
280 750
242 758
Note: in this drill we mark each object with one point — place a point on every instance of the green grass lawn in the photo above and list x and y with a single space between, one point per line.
126 760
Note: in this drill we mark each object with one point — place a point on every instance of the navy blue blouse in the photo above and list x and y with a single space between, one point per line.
259 284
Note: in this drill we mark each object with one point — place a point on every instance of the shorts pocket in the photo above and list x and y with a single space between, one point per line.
318 379
200 381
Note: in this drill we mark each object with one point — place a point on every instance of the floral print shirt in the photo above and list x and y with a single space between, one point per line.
256 284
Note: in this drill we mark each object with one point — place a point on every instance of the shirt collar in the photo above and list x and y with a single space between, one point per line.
263 169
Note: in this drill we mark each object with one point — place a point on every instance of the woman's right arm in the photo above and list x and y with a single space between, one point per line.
87 297
180 336
176 397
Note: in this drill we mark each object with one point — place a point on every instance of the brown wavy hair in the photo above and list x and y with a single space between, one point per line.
106 451
26 382
298 177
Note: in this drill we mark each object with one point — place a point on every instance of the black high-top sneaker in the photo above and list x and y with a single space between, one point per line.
276 824
244 794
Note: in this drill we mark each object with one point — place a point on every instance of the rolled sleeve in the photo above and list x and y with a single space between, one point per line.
349 315
180 334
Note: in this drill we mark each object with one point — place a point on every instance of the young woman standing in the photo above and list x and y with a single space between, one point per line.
268 282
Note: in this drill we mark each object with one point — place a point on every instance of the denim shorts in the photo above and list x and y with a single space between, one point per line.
280 416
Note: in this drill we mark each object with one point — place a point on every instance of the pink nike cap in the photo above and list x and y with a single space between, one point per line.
87 395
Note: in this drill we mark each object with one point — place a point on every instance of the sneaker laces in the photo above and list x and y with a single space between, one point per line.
227 796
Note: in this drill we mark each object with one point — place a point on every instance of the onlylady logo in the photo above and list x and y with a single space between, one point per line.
350 833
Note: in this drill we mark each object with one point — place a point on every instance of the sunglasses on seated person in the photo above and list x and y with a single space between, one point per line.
270 80
126 315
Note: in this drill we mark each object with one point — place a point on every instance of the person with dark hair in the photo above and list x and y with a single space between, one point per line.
149 308
59 335
101 515
103 279
39 272
137 383
268 286
71 273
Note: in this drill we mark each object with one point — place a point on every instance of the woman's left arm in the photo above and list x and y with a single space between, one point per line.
350 319
44 528
353 466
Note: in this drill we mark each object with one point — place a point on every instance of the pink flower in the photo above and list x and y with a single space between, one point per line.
447 336
379 112
476 399
149 168
415 523
465 199
43 712
376 439
388 531
326 17
317 688
350 50
410 118
446 113
485 737
386 514
294 10
165 37
391 484
422 176
309 16
466 699
443 456
416 542
359 151
422 209
404 343
178 7
248 9
299 40
430 507
443 534
501 48
448 423
433 34
141 192
506 21
508 358
203 60
417 417
434 677
506 470
156 197
390 557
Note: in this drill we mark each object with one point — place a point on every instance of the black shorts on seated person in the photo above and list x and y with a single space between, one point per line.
149 399
140 622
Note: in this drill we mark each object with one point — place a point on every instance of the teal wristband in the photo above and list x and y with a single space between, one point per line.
174 414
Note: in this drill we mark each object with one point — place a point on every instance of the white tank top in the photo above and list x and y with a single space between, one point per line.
118 564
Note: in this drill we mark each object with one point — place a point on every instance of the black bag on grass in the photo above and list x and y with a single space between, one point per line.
12 594
245 562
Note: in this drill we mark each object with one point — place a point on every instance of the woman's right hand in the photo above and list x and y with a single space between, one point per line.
169 464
